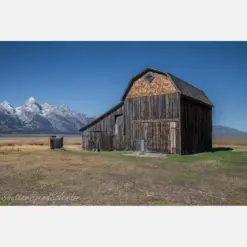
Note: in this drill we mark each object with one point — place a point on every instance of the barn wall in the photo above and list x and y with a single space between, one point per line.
152 118
107 123
196 127
97 140
101 134
157 85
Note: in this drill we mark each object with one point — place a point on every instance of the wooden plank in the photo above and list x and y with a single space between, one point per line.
166 107
156 120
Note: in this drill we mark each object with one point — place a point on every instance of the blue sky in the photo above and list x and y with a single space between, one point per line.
90 77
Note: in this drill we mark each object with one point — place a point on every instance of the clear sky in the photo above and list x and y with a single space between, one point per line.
90 77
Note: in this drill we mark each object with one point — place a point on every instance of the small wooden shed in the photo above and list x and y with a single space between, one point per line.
158 112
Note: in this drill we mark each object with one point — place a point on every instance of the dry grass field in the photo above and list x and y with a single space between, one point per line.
230 140
35 141
32 174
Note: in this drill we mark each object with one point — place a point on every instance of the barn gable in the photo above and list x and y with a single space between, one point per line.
155 82
149 84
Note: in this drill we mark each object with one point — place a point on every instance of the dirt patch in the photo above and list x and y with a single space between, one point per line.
146 155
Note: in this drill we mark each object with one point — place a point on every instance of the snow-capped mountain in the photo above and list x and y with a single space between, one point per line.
27 111
33 117
5 104
8 120
46 108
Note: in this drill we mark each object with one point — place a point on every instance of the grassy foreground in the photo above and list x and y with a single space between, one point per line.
38 176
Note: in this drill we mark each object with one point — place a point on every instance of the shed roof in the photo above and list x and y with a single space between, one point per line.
96 120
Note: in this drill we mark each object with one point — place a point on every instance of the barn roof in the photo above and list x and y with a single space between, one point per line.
96 120
183 87
189 90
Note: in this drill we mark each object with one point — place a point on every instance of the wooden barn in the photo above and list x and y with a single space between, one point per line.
158 112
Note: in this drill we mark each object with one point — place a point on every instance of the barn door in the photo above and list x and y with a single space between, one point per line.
158 137
118 128
161 137
119 132
173 137
98 141
153 137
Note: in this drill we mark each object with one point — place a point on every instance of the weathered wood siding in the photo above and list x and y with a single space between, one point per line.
154 119
196 127
167 123
151 84
108 122
102 134
159 136
98 141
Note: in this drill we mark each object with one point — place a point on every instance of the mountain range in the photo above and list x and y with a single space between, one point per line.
219 130
33 117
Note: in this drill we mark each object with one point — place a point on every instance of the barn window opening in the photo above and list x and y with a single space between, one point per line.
118 128
149 77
